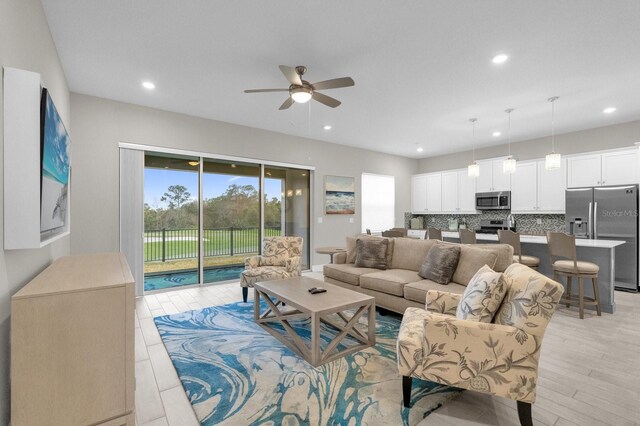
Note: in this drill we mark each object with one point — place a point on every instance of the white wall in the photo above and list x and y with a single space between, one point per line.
25 43
100 124
599 138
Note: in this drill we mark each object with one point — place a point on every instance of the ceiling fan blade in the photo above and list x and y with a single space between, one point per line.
334 83
286 104
327 100
265 90
291 74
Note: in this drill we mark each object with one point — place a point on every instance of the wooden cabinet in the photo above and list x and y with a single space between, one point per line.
609 168
434 193
491 177
419 194
72 344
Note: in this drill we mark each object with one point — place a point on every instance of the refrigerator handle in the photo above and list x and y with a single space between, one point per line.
595 220
590 219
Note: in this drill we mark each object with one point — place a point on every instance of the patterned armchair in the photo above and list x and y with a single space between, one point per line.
280 259
498 358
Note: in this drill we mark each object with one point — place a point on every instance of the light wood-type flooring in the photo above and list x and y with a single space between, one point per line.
589 369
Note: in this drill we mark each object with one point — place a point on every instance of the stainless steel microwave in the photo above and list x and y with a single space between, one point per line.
493 200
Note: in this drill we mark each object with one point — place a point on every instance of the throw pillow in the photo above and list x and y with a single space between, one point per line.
483 296
471 260
351 248
440 263
371 253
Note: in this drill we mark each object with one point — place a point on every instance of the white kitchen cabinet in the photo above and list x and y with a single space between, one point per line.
466 193
419 194
416 233
450 191
434 193
584 170
524 188
491 177
620 167
551 188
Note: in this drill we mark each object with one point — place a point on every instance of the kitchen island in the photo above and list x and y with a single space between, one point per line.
600 252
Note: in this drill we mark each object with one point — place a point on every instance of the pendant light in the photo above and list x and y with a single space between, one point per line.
552 161
509 165
473 170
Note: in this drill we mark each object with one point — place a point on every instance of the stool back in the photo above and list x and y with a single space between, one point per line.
433 234
513 239
467 236
562 245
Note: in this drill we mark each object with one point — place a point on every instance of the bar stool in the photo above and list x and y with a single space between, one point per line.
513 239
433 234
564 246
467 236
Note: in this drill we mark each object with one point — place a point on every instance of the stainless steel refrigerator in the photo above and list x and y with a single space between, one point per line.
608 213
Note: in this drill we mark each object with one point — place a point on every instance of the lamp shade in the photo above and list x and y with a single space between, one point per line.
301 95
509 166
473 170
552 161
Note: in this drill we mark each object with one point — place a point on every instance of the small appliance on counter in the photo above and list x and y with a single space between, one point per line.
416 223
453 224
492 226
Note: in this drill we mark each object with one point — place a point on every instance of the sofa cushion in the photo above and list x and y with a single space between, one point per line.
531 300
351 247
346 272
440 263
408 253
417 291
471 260
482 297
391 281
504 253
371 253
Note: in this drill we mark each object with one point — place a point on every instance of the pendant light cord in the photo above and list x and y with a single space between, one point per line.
553 121
473 137
509 111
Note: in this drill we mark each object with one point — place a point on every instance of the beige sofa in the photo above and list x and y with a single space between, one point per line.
400 286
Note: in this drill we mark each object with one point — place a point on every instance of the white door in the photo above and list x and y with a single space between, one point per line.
434 193
484 182
584 170
501 180
620 168
419 193
523 188
450 191
551 188
466 193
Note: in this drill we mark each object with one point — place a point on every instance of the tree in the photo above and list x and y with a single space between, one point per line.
176 195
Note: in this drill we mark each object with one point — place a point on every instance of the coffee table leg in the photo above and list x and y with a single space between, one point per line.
256 304
371 326
315 338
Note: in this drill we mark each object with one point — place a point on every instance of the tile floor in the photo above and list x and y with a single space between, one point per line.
588 373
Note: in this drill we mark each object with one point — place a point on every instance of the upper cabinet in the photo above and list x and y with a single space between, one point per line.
491 177
434 192
534 189
524 188
609 168
458 192
419 194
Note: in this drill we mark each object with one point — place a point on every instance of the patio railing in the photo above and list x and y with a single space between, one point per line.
171 244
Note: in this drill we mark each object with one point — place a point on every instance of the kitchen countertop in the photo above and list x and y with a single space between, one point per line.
539 239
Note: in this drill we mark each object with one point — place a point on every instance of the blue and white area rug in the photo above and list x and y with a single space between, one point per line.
236 373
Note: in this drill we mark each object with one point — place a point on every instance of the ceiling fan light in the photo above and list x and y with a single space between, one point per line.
509 166
473 170
301 95
552 161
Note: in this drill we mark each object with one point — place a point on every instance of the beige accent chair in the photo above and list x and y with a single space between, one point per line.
513 239
467 236
433 234
498 358
564 262
280 259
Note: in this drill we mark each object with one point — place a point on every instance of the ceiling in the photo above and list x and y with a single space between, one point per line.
422 68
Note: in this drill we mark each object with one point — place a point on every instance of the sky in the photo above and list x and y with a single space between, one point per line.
156 182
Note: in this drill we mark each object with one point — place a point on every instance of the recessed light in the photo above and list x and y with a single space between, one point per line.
500 59
327 127
496 134
148 85
609 110
233 166
420 149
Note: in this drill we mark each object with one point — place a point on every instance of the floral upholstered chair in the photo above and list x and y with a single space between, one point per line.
280 259
498 358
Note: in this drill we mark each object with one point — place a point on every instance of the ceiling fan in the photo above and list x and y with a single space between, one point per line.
301 90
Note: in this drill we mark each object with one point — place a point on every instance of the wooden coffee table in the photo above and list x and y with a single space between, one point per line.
300 304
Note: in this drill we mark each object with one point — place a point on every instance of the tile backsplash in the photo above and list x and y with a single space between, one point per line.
525 223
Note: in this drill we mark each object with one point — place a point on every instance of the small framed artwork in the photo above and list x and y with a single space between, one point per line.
339 195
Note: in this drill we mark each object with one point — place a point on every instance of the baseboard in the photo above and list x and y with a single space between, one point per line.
316 268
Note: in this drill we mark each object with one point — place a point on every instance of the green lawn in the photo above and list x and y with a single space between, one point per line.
183 243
